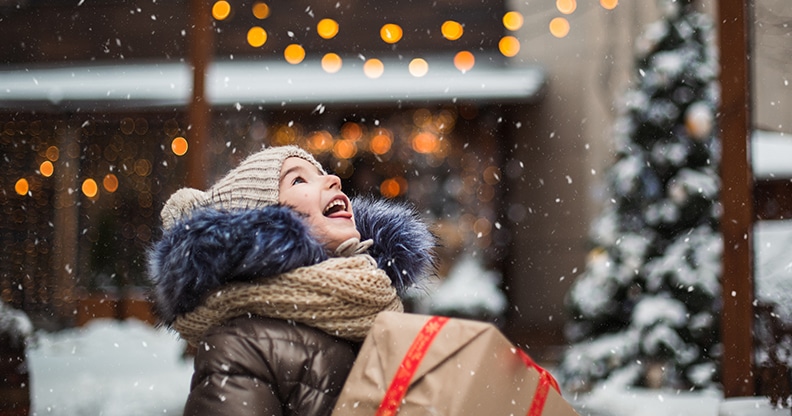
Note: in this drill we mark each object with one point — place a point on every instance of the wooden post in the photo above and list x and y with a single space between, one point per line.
199 117
737 197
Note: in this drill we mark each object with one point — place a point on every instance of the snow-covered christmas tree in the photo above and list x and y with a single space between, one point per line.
645 311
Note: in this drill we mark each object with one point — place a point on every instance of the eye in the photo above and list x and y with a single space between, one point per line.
298 180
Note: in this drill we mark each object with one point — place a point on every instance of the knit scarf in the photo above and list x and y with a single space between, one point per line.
340 296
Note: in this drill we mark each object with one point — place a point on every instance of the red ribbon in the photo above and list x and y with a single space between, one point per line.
401 381
546 381
415 354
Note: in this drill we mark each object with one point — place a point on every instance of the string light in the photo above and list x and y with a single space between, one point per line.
260 10
566 6
331 63
179 146
609 4
90 188
418 67
294 54
464 61
513 20
256 36
22 187
327 28
373 68
451 30
509 46
46 168
559 27
391 33
221 10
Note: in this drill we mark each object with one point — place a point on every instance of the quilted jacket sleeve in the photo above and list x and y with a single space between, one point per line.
262 366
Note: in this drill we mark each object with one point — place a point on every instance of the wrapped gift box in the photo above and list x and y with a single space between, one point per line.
429 365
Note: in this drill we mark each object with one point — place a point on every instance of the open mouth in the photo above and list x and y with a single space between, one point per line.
336 205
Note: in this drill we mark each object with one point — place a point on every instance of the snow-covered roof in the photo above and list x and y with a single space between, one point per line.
771 155
136 85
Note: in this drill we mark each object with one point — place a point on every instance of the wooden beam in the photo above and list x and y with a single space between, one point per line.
736 197
199 111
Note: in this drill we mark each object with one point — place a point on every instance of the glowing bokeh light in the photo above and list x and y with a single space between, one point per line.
512 20
391 33
418 67
256 36
425 142
609 4
327 28
452 30
464 61
566 6
179 146
261 10
221 10
110 183
47 168
351 131
559 27
331 63
90 188
373 68
22 187
294 54
53 153
381 143
509 46
390 188
345 149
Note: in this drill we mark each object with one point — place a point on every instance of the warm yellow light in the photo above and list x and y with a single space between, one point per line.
391 33
331 63
464 61
22 187
46 168
425 142
256 36
327 28
351 131
373 68
90 188
512 20
390 188
344 149
221 10
609 4
559 27
566 6
110 182
320 141
179 146
452 30
261 10
381 143
418 67
294 54
53 153
509 46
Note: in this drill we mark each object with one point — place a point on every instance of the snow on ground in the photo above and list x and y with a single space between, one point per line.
108 368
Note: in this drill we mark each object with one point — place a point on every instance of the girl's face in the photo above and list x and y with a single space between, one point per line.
319 197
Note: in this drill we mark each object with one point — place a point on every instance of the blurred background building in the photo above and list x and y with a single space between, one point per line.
493 117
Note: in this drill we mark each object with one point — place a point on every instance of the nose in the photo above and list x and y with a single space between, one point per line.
333 182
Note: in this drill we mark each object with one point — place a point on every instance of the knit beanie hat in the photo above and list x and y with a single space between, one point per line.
252 184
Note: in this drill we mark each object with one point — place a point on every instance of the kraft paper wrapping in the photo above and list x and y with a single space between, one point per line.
470 368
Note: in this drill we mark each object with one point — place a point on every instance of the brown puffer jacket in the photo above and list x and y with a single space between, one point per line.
253 365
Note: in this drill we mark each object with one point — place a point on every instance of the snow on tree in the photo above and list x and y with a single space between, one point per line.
645 311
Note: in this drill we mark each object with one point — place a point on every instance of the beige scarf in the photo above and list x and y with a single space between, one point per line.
340 296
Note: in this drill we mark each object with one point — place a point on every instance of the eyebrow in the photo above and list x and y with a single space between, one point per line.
295 169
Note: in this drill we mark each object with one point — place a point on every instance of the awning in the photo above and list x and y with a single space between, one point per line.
261 83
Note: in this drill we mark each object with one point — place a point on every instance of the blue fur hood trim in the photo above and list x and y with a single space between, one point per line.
211 248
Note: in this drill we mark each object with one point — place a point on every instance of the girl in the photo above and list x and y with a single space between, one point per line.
275 277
